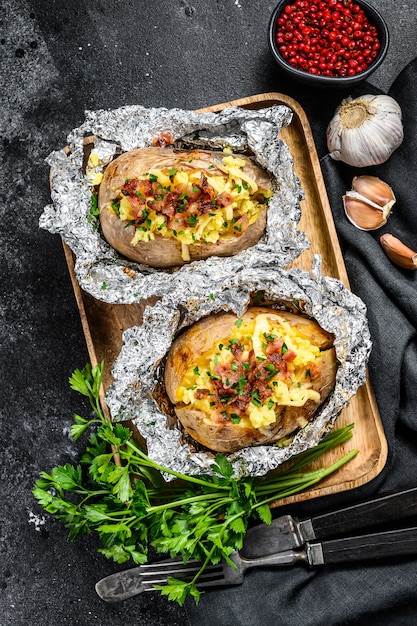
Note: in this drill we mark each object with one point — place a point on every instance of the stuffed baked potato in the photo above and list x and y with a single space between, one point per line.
239 382
164 207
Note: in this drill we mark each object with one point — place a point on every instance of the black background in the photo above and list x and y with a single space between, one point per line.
59 59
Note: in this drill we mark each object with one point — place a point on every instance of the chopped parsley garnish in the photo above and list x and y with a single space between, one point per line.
192 220
94 210
115 205
255 398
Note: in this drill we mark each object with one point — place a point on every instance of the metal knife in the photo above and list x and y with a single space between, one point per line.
287 532
137 580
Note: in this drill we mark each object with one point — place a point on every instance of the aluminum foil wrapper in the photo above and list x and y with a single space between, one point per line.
210 288
99 269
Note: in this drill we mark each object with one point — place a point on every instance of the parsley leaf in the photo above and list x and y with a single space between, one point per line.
121 494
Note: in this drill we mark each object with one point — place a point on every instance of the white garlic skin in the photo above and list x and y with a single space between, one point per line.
365 131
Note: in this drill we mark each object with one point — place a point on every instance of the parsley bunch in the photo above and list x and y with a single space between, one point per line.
123 495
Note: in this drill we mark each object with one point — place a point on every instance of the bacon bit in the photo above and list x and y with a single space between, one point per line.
166 206
236 384
289 356
206 206
138 205
275 346
145 187
199 394
179 204
193 192
237 350
204 186
177 221
133 187
262 388
224 198
130 187
162 140
228 376
313 371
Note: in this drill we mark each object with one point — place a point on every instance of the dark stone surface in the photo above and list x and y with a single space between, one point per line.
57 60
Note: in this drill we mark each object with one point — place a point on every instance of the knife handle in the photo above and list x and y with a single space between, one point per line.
389 507
366 547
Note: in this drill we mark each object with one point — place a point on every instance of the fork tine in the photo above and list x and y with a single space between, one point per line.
172 571
160 566
213 574
145 577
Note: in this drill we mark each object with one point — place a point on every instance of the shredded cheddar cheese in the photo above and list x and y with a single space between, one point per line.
192 206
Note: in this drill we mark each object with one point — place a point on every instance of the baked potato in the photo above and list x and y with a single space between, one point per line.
239 382
164 207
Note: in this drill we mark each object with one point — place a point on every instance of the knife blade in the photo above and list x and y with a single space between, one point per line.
287 532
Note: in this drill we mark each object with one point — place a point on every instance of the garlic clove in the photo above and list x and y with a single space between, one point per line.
363 215
374 189
368 205
398 252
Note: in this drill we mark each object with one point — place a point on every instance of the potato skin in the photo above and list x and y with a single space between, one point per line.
166 252
225 436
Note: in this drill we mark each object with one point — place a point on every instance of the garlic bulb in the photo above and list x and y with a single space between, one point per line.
398 252
365 131
368 205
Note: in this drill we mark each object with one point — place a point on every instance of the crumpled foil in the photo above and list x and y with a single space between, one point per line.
99 269
208 288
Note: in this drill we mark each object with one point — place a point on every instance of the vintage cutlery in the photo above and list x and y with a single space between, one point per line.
128 583
287 532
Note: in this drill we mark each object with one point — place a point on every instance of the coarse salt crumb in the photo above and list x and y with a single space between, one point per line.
37 521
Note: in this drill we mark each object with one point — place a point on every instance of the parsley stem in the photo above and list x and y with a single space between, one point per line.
203 517
312 479
178 503
147 462
331 440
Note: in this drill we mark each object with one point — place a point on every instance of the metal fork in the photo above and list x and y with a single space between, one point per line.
128 583
131 582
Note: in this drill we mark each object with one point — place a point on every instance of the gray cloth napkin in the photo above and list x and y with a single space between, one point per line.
383 592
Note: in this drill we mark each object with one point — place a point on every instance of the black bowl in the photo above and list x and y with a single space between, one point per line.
318 80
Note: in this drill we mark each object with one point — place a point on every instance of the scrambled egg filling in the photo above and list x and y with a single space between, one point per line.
192 206
264 364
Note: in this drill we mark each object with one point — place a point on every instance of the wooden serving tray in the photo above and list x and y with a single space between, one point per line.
104 324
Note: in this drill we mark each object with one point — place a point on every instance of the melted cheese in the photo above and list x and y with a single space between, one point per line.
94 169
208 228
293 389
